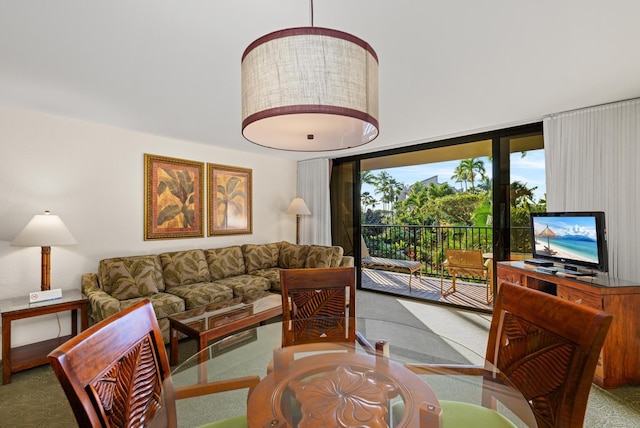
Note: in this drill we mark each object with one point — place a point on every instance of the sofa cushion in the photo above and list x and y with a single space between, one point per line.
272 274
164 304
225 262
261 256
131 277
245 284
336 257
184 268
202 293
319 257
292 256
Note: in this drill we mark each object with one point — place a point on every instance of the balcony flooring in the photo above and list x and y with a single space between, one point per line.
469 295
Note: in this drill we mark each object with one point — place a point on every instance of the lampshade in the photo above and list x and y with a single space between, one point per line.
298 207
44 230
309 89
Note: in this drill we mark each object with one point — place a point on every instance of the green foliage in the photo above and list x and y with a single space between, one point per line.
435 217
467 171
483 213
372 217
455 209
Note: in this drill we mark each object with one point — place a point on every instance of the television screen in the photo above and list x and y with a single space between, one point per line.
570 238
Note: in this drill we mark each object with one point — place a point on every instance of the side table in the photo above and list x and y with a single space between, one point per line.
35 354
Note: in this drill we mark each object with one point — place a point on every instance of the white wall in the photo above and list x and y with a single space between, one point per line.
92 176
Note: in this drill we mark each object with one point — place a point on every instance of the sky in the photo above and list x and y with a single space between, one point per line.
528 170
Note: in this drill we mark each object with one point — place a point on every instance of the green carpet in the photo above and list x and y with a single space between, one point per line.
35 398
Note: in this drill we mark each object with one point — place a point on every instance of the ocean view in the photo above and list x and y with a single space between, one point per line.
576 247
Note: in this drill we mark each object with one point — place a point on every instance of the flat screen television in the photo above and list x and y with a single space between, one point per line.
570 239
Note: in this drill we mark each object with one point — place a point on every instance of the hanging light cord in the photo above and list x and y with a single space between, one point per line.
311 1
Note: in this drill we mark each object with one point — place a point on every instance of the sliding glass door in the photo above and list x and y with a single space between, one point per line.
408 205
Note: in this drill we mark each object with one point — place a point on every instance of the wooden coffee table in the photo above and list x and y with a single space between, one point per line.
213 321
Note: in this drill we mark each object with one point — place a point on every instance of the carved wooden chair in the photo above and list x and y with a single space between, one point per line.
318 305
116 373
545 346
465 263
319 314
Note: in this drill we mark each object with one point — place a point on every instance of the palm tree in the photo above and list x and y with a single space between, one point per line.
486 184
437 191
367 177
460 176
366 200
416 202
520 195
384 184
472 167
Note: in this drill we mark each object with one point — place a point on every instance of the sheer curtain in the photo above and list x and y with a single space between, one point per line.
313 186
592 162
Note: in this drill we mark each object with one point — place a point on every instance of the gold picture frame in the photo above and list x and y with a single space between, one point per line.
230 200
173 198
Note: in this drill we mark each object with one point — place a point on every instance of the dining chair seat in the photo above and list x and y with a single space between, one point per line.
233 422
456 414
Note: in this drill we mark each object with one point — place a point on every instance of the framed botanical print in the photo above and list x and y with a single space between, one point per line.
229 200
173 198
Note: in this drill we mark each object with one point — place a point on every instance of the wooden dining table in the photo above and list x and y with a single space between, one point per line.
336 384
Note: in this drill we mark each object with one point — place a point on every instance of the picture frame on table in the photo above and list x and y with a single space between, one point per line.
173 199
229 200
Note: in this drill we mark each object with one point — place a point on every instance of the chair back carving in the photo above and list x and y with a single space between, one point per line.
113 372
549 348
318 305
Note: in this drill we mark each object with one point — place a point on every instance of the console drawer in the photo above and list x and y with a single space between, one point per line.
580 297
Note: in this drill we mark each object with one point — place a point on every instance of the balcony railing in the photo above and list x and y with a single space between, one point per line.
427 243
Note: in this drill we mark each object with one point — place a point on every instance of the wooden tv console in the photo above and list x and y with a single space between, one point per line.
619 362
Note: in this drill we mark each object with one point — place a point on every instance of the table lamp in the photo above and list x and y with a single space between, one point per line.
44 230
299 208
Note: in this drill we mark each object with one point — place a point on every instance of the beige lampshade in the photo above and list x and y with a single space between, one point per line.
298 207
44 230
309 89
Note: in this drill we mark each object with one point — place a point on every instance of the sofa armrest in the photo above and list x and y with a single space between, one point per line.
347 261
89 283
101 304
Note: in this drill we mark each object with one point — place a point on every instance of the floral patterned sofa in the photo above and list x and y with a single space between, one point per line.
182 280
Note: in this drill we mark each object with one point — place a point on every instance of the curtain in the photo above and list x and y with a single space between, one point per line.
592 163
313 186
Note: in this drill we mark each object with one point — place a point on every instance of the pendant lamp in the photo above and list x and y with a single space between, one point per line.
309 89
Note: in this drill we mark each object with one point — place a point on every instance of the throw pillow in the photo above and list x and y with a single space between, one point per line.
184 267
130 277
292 256
260 256
336 257
319 257
225 262
104 265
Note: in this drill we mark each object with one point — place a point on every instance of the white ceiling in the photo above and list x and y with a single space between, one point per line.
448 67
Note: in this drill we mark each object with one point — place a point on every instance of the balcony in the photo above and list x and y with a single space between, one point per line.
426 244
468 294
